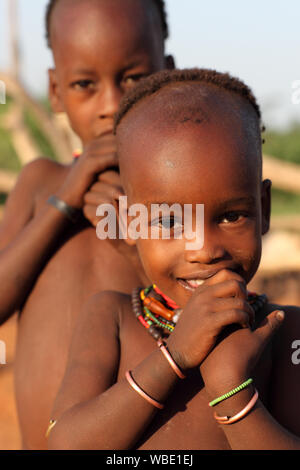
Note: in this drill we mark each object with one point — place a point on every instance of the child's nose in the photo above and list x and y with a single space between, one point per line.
211 251
109 101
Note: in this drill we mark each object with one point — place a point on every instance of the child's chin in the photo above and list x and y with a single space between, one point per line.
183 293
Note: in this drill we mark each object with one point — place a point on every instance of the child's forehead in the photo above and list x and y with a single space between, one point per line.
102 18
206 108
198 102
190 164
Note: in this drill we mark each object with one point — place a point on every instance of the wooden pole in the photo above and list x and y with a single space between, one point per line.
13 38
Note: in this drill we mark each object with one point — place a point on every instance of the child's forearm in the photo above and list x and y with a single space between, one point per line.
258 430
117 418
22 260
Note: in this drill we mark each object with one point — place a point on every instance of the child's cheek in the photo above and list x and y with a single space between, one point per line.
156 258
247 253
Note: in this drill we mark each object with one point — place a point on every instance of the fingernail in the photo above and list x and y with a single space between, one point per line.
280 315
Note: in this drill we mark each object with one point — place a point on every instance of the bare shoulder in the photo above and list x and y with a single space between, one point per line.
45 175
34 176
106 306
98 327
94 355
32 172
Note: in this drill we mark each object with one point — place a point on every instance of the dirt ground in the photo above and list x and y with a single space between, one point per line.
279 279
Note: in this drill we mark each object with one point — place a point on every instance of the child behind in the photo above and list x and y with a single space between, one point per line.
51 260
186 137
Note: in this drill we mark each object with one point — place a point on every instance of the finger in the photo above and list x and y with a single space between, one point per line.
96 198
230 288
235 303
100 144
269 326
89 212
224 275
97 187
106 195
230 317
100 163
101 187
110 177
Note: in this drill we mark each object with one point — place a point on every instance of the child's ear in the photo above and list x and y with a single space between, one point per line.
123 220
54 94
266 205
169 62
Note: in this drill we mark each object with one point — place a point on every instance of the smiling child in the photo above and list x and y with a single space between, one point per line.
187 137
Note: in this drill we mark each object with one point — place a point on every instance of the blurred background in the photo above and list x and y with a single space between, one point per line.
257 41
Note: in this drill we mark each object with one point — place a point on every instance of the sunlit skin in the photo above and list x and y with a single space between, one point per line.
210 156
218 168
52 268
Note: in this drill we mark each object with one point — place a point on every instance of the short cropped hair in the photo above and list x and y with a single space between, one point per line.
159 80
160 4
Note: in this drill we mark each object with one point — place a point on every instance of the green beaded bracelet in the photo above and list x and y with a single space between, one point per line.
232 392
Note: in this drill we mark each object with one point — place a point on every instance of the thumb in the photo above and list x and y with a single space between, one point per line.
270 325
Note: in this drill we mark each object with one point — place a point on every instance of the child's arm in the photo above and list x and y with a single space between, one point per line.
231 363
93 411
27 240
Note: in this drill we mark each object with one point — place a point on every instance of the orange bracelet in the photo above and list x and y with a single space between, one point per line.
135 386
240 415
164 350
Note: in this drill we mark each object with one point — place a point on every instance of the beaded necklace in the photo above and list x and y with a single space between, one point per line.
159 317
76 154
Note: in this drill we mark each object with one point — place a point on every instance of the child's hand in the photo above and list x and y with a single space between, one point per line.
106 190
219 302
232 361
98 156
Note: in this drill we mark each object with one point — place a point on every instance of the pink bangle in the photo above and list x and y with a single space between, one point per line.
240 415
135 386
164 350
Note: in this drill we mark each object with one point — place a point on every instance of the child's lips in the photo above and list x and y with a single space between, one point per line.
105 133
190 284
194 281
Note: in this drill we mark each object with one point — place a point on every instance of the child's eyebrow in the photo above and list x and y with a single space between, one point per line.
134 62
159 203
82 71
249 201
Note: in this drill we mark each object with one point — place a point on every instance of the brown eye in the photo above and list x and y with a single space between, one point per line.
131 80
83 85
232 217
168 223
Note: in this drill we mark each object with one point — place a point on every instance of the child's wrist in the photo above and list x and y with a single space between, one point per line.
218 386
155 376
234 404
178 358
